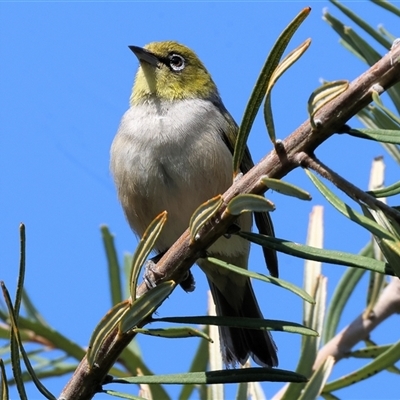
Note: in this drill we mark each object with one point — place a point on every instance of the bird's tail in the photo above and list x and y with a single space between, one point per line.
237 344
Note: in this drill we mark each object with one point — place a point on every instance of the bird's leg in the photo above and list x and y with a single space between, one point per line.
151 274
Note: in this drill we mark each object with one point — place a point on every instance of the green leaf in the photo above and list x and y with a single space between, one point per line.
285 188
313 314
249 323
347 211
31 310
145 305
361 48
323 95
386 111
199 363
132 362
382 119
314 253
378 350
309 344
260 87
317 382
387 191
174 333
270 279
341 295
371 119
113 265
387 6
52 336
19 346
21 273
55 369
287 62
127 267
329 396
379 135
391 251
123 395
241 393
144 248
390 37
342 31
375 287
221 376
13 312
385 360
4 394
103 329
202 215
389 248
370 55
370 351
249 203
362 24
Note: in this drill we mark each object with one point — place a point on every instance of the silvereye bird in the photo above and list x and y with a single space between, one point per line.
173 152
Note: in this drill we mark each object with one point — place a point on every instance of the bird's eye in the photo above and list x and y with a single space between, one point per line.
176 62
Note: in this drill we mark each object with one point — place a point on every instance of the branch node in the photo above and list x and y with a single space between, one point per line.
301 159
315 123
377 88
279 147
396 42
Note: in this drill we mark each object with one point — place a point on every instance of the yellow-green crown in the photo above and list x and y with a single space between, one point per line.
170 71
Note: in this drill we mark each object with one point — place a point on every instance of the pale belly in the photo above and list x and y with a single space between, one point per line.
173 164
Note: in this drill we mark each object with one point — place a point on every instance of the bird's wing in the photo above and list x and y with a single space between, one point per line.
263 219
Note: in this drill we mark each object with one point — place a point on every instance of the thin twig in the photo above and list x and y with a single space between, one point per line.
347 187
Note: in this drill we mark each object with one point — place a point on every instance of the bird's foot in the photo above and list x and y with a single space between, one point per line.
151 275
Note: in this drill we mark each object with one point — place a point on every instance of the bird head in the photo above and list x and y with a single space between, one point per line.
170 71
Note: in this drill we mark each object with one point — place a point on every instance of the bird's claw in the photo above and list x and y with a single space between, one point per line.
151 275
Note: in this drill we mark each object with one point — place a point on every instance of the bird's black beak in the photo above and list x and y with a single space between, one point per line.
145 55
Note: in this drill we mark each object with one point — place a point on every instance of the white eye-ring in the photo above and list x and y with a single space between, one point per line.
176 62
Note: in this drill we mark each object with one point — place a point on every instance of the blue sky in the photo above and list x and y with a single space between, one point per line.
66 76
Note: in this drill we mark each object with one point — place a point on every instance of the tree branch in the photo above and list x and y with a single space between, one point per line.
340 345
351 190
180 257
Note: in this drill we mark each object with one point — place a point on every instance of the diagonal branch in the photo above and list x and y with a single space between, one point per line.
180 257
